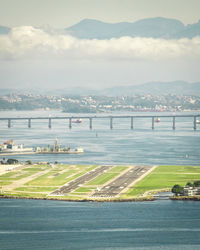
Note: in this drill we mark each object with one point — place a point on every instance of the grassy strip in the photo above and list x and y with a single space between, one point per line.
45 180
100 180
36 189
105 177
36 169
23 195
84 190
60 179
7 175
18 177
165 177
4 183
117 169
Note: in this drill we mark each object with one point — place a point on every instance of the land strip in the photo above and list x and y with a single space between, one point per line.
92 182
69 187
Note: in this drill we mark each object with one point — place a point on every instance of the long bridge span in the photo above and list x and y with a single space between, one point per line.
70 119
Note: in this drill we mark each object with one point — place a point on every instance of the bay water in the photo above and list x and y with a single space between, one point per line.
162 224
121 145
35 224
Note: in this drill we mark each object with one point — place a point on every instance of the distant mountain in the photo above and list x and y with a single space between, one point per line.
4 30
190 31
152 88
156 88
158 27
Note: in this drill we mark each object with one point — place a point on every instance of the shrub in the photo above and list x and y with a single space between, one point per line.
12 161
177 189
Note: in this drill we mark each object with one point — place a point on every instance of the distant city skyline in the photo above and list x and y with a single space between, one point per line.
32 57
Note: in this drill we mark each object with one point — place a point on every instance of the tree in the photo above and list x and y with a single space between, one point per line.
189 184
197 183
29 162
12 161
177 189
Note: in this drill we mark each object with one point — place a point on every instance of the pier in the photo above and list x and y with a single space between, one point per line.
110 118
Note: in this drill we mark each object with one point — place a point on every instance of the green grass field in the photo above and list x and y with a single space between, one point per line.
40 180
165 177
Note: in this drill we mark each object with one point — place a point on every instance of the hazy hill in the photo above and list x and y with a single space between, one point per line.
189 31
158 27
153 88
157 88
4 30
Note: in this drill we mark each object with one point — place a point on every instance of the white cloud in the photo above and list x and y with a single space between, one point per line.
26 42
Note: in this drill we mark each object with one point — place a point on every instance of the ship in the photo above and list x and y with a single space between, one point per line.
56 149
157 120
77 121
9 148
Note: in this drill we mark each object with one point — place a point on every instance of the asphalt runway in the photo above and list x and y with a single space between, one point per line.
72 185
122 182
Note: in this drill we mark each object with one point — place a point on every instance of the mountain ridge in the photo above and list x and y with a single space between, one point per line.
157 88
158 27
152 88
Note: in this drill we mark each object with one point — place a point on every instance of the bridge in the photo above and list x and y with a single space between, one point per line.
109 117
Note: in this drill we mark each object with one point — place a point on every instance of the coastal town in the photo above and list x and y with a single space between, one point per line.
100 104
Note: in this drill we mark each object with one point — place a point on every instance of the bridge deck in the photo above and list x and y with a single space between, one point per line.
96 117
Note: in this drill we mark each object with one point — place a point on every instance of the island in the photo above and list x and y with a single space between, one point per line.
54 181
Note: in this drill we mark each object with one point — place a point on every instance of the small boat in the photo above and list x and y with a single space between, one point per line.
157 120
77 121
197 122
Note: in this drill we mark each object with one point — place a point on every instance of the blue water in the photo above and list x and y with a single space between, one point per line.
32 224
104 146
163 224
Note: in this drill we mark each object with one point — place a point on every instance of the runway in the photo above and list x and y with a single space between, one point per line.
122 182
72 185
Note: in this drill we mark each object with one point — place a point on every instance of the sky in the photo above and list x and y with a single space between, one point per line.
30 57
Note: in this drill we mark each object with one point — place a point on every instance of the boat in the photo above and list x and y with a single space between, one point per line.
77 121
157 120
197 121
9 147
56 149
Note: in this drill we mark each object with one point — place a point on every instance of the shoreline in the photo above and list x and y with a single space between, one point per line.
136 199
139 199
186 198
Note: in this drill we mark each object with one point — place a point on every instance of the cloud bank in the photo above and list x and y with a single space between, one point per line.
27 42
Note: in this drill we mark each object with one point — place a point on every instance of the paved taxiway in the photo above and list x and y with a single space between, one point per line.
122 182
72 185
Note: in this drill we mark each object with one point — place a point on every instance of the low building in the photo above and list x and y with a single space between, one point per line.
190 191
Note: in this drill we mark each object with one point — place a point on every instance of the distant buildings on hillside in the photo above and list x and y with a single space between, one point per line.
97 104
